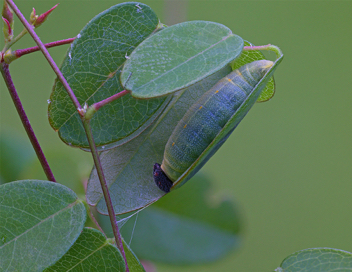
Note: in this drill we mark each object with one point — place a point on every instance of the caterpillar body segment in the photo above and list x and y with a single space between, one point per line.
205 119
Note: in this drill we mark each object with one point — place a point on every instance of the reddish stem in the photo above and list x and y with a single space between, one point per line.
27 126
108 100
21 52
105 189
95 107
91 216
46 55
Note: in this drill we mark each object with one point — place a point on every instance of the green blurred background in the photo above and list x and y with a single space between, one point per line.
288 165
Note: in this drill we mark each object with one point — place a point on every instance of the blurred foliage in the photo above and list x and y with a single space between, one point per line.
188 226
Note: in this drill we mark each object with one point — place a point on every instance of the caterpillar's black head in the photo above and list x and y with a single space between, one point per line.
161 179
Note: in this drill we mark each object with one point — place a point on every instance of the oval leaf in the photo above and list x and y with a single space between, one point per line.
178 57
317 259
91 252
186 227
250 56
129 168
92 68
35 215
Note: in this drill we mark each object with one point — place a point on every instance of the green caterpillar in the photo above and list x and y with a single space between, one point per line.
204 120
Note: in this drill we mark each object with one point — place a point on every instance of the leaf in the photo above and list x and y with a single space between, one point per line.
91 252
129 168
317 259
250 56
16 153
35 215
178 57
92 68
186 227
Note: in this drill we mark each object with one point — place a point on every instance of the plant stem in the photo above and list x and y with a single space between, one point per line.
104 186
265 47
96 106
91 216
21 52
18 37
27 126
46 55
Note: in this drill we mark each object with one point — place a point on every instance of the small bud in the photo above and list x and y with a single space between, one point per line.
42 18
33 17
7 13
9 56
8 33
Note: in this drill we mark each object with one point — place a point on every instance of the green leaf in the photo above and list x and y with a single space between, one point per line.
186 227
92 68
250 56
129 168
317 259
16 153
91 252
40 220
178 57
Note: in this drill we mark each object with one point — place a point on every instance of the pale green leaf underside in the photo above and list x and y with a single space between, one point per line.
91 252
129 168
92 67
185 227
40 220
178 57
250 56
317 260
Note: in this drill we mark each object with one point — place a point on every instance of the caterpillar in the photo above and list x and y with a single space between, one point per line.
204 120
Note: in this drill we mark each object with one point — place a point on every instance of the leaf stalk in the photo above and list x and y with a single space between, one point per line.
96 106
104 186
21 52
269 47
46 54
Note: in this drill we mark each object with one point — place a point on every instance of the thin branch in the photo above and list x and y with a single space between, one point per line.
102 103
27 126
265 47
260 47
96 106
47 55
91 216
14 40
104 186
21 52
